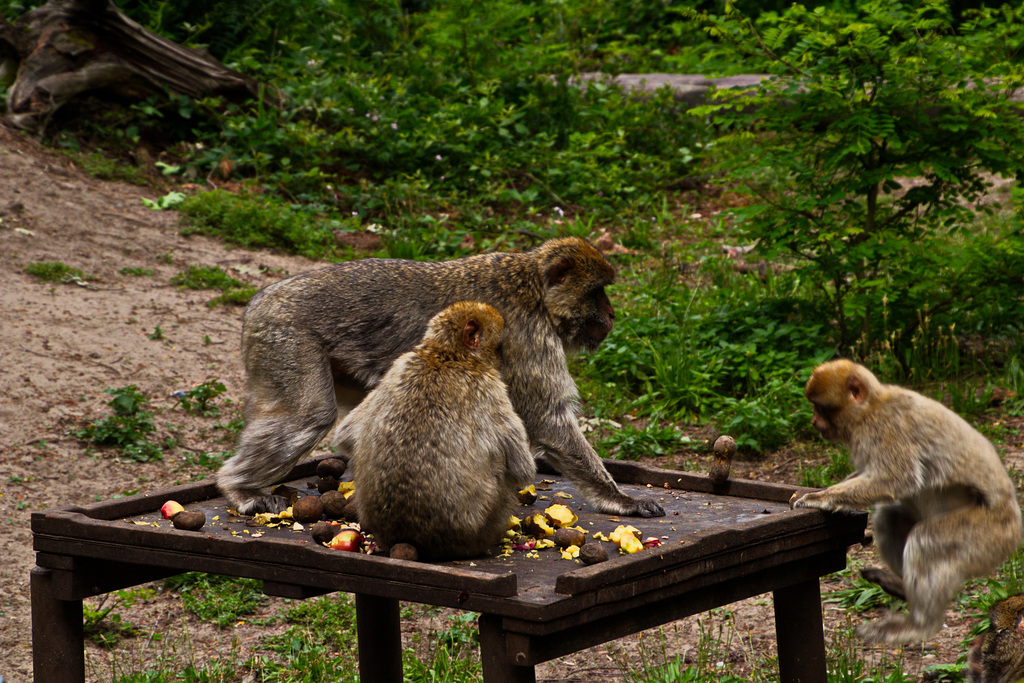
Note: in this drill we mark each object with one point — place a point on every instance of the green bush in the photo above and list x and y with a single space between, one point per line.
256 222
866 154
128 429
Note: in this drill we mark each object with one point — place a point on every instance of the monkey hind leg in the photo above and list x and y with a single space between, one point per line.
936 563
287 414
927 595
887 581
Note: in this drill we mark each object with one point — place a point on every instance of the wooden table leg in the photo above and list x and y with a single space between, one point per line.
494 658
379 632
798 628
58 635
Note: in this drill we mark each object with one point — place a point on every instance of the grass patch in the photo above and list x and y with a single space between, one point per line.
213 277
128 429
136 272
257 222
55 271
220 600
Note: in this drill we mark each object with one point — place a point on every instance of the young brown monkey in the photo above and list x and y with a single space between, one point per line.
315 343
438 452
997 655
946 510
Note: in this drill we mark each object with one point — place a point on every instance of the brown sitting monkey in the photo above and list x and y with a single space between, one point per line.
438 451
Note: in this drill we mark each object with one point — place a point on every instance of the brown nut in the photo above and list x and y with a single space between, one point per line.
323 532
404 551
331 467
592 553
568 536
351 512
325 484
725 447
189 520
334 504
308 509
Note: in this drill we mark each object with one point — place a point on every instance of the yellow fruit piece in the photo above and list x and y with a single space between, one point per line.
571 552
560 515
263 517
538 526
630 545
528 496
347 488
514 523
625 537
544 543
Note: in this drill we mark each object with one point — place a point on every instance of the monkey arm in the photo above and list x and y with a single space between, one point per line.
568 450
520 464
859 492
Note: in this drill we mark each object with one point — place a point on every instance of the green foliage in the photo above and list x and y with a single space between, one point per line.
197 400
104 167
629 442
822 476
847 664
213 277
767 417
205 277
105 627
1008 581
713 642
168 201
127 429
319 644
53 271
737 353
136 272
220 600
867 153
210 461
256 222
861 596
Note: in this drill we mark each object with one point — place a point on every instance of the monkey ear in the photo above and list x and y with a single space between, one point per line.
558 271
471 334
857 389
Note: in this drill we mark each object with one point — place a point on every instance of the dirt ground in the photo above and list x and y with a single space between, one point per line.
61 345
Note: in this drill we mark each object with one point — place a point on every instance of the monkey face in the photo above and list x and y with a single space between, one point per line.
588 321
823 420
600 323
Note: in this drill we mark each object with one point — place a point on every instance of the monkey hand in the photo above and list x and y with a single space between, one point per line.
810 500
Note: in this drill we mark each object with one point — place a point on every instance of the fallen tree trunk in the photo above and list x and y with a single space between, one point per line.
69 47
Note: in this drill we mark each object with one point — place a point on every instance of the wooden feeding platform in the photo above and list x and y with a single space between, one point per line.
719 545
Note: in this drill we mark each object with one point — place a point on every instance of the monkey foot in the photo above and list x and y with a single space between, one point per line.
894 629
645 507
271 504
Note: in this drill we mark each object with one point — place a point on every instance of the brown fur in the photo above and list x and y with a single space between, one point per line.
946 510
438 451
997 655
317 342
